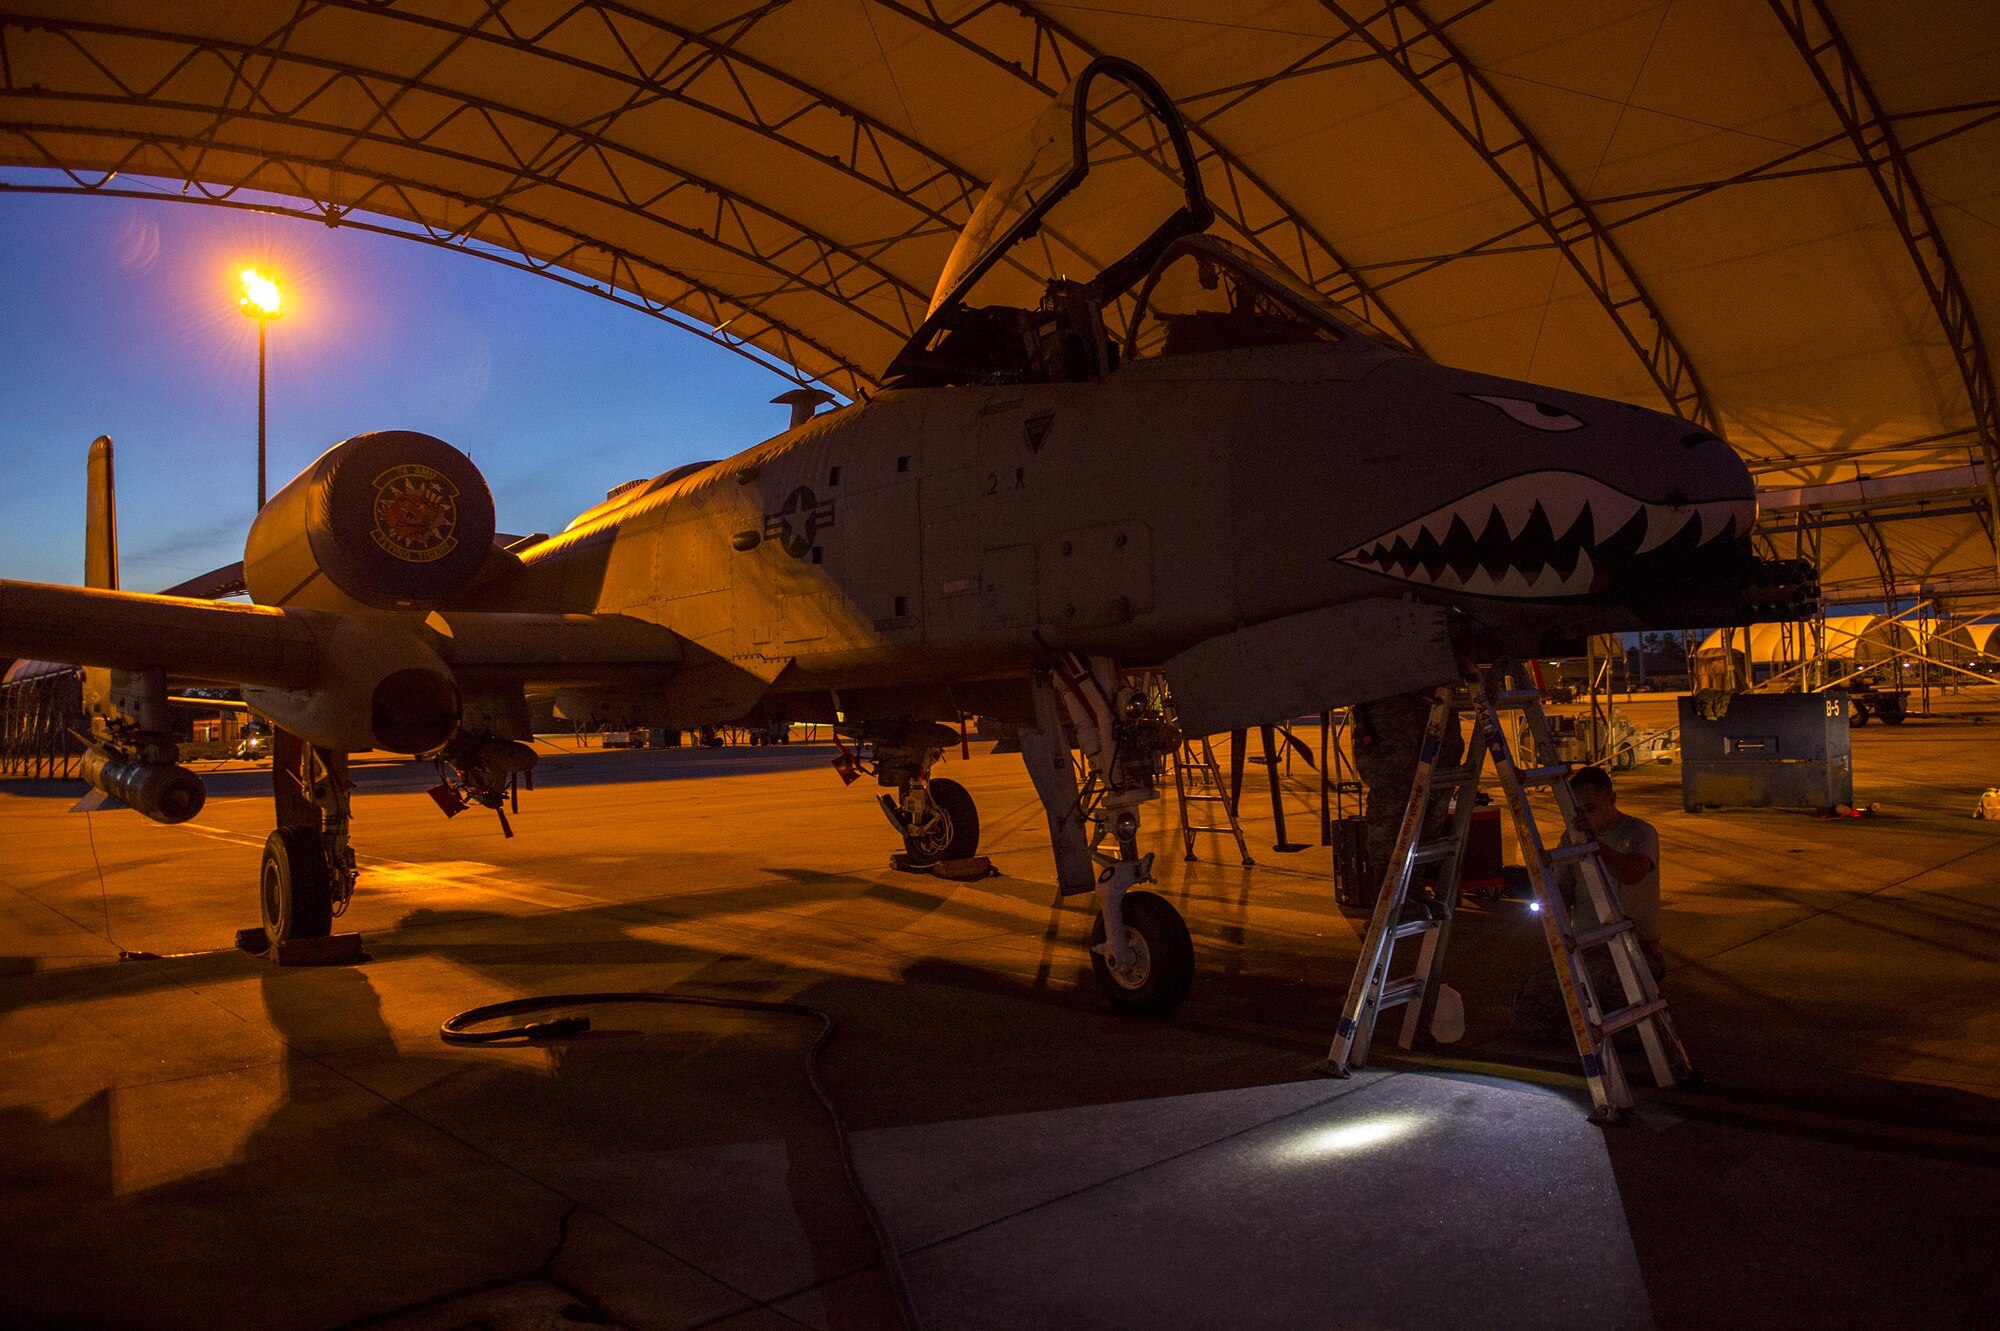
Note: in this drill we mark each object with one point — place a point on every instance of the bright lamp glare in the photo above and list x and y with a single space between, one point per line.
1535 906
1341 1138
260 295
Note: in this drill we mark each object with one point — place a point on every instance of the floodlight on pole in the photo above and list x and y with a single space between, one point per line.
263 302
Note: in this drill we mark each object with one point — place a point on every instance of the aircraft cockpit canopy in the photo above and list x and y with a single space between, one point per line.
1205 294
1051 246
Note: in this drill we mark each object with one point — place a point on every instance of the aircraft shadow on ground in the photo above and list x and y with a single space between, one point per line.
948 1041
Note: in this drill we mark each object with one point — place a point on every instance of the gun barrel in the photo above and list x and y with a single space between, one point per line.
203 640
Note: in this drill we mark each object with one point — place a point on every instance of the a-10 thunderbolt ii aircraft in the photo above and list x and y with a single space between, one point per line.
1245 489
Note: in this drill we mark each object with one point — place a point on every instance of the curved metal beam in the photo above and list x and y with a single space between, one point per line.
401 198
521 139
1240 197
1878 549
1811 27
1406 38
760 98
768 102
336 217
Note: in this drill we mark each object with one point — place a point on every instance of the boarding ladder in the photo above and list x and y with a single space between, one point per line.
1491 695
1198 782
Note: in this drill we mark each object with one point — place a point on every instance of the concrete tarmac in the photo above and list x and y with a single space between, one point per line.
209 1140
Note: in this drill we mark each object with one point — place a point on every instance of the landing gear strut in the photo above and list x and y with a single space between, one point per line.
1140 951
307 875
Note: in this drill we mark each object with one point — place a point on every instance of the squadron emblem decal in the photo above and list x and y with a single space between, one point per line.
799 521
416 513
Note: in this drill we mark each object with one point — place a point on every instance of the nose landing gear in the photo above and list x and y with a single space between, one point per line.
1140 951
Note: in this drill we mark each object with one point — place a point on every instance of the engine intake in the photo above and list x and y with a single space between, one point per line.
413 710
393 520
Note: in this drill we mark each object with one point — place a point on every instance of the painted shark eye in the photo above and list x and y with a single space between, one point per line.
1534 415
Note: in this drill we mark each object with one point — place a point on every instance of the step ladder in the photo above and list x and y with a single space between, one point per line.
1198 781
1373 991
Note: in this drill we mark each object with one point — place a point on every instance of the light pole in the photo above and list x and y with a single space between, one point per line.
261 302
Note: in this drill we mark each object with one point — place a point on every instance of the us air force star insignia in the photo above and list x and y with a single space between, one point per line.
416 513
1035 429
799 521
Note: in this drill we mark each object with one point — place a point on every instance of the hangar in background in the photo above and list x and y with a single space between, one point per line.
1775 217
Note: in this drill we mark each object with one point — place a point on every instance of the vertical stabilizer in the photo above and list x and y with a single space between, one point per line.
100 550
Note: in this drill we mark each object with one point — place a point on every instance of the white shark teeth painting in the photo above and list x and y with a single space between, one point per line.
1543 535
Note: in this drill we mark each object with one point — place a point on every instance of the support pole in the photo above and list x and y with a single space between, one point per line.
262 325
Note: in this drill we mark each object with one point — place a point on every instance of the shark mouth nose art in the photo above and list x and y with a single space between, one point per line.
1545 534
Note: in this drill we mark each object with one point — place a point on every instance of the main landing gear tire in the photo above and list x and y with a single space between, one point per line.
294 885
952 830
1162 958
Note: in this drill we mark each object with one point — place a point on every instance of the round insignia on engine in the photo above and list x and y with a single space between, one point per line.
416 513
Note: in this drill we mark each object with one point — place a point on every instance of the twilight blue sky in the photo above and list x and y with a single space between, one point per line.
119 317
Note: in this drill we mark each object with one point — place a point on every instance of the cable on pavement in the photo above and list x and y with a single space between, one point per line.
459 1030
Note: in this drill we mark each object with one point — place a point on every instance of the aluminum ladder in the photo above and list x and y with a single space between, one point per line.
1198 780
1373 991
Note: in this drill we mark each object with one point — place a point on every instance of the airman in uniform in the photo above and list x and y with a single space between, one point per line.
1388 740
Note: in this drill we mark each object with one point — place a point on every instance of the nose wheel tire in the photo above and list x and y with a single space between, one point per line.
295 887
1162 958
949 830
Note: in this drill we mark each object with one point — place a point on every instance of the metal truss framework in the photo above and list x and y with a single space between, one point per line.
1615 211
702 70
536 150
650 288
656 60
625 287
1873 135
1404 37
39 715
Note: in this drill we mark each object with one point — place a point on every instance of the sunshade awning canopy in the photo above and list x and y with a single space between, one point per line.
1778 217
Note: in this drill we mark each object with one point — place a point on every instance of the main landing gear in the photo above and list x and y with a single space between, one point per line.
308 871
307 875
1140 952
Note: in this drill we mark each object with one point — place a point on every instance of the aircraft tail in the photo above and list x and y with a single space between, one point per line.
100 550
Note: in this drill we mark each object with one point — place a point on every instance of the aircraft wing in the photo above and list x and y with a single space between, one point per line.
194 640
551 650
291 648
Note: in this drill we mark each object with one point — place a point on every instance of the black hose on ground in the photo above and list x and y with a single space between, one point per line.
458 1030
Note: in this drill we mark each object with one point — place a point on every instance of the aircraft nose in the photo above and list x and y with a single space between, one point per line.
1698 495
1650 499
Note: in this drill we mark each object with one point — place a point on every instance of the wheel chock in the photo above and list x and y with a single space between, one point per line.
333 950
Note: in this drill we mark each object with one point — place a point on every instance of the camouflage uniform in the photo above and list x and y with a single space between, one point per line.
1388 738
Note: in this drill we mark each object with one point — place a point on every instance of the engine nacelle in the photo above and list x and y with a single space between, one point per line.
164 792
393 520
380 686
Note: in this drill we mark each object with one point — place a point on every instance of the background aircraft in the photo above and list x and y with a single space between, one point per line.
1186 461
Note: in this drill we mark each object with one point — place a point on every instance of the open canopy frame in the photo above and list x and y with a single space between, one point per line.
1779 218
